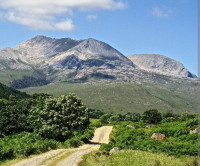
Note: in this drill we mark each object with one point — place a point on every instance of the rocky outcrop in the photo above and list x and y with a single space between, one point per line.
131 126
114 150
194 131
158 136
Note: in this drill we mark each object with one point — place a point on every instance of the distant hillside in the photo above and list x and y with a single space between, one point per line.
6 91
102 76
122 98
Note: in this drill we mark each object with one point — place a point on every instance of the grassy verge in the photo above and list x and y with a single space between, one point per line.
22 145
136 158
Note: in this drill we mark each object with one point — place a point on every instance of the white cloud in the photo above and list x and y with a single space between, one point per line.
91 17
66 25
41 24
161 13
49 14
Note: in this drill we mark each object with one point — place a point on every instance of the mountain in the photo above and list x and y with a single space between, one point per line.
160 64
6 91
54 60
65 53
100 74
66 60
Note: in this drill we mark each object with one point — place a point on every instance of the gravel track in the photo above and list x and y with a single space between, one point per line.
101 135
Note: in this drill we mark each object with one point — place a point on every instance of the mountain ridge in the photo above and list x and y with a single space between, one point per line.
85 61
102 76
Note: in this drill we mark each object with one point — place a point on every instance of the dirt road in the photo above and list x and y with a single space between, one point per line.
68 157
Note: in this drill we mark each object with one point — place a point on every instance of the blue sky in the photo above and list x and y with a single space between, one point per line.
167 27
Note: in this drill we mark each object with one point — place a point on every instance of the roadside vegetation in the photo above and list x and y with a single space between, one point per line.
135 145
136 158
40 122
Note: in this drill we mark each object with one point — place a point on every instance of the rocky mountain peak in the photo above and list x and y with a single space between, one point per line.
160 64
95 49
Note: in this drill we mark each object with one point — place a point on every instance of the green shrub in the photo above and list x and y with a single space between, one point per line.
57 118
95 124
124 137
105 118
186 116
168 115
178 141
87 135
14 117
192 123
169 119
135 117
105 147
80 138
14 114
24 144
73 142
151 116
114 118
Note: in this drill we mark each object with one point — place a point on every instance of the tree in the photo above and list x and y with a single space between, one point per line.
151 116
13 117
114 118
14 114
57 118
135 117
105 118
168 114
186 116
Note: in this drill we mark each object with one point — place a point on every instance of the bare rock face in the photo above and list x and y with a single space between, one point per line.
158 136
10 59
43 51
160 64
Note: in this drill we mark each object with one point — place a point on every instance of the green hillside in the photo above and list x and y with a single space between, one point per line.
124 98
6 91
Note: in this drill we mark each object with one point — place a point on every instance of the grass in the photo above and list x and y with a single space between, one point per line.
44 162
135 158
56 159
51 161
10 162
122 98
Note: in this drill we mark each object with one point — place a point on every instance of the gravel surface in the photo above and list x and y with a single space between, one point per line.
76 157
36 160
101 135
